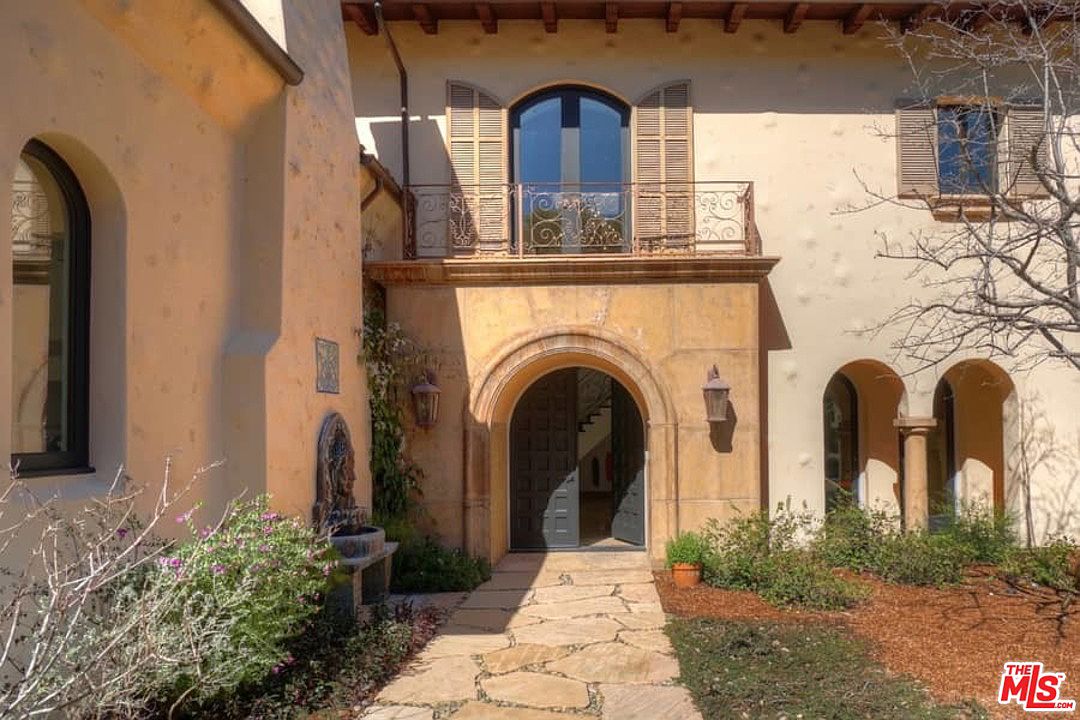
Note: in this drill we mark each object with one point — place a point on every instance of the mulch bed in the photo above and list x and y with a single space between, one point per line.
954 640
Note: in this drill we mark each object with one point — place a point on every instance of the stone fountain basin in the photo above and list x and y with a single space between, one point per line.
361 543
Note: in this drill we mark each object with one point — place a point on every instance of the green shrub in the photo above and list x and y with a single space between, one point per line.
985 534
921 558
851 536
1049 565
761 553
229 600
797 578
688 547
426 566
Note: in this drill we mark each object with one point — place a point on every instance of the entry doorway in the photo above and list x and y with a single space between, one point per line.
577 464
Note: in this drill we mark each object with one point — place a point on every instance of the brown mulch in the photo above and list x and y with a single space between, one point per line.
954 640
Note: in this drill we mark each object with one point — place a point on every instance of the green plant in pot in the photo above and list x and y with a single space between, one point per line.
685 555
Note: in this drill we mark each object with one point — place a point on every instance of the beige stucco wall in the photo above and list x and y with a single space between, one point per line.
213 189
677 331
807 118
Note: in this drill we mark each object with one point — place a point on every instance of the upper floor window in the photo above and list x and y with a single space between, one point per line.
967 149
570 158
50 226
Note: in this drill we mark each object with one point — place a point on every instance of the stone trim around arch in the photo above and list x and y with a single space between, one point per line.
500 384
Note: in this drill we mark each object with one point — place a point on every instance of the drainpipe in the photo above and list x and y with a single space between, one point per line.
403 76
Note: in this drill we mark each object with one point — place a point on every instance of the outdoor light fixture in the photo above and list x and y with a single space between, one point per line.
426 400
716 393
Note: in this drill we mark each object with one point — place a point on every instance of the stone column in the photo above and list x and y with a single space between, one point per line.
915 485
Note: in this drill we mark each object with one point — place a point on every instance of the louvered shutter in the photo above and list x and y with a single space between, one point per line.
1026 128
663 168
478 203
916 150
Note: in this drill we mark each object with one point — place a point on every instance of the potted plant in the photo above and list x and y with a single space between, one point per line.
685 555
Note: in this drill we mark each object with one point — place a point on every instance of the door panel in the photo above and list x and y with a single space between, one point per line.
628 449
543 464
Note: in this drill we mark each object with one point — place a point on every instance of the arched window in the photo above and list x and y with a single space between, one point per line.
941 457
840 411
570 159
50 224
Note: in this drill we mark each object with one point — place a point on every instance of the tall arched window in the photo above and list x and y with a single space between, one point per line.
570 159
50 224
840 410
941 457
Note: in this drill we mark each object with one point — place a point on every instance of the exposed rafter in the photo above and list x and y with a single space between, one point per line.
976 20
486 13
551 17
423 15
674 16
735 17
916 19
857 18
795 16
363 16
611 17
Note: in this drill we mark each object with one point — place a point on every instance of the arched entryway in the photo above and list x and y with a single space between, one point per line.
577 464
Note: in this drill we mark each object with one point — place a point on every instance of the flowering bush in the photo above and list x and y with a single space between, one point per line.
237 593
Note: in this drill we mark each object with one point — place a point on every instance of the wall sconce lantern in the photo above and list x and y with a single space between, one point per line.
716 391
425 396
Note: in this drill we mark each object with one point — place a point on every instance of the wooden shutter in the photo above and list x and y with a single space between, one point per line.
478 203
916 150
663 167
1026 126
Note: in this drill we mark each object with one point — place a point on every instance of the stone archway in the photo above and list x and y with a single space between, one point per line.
499 386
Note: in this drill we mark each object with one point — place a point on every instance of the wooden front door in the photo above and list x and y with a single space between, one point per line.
628 450
543 464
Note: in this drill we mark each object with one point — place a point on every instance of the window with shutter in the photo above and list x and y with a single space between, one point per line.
479 201
663 168
916 150
1025 132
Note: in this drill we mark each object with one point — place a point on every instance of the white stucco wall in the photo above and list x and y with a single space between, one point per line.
803 116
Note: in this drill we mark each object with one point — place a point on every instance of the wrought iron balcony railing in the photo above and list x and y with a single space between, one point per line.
581 218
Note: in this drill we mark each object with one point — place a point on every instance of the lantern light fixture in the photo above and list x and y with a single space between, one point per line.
717 393
425 396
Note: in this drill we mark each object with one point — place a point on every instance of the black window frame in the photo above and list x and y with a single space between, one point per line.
76 458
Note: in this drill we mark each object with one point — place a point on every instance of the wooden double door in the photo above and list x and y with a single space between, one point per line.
545 508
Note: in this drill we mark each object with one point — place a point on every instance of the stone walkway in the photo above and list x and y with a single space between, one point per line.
559 635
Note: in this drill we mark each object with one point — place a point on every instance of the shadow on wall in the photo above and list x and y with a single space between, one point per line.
1038 452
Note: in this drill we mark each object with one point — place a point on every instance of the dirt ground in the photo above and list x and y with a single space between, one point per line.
954 640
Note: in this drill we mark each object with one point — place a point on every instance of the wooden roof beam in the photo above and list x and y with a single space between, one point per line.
735 17
977 19
551 18
611 17
916 19
857 18
795 16
362 15
486 13
423 15
674 16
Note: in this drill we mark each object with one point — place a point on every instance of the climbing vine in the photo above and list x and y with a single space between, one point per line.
393 361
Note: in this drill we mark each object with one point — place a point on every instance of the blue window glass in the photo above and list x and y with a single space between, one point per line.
571 167
967 149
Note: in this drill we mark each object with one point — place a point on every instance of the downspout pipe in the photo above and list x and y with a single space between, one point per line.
403 78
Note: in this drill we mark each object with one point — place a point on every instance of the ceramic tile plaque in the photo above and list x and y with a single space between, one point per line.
327 366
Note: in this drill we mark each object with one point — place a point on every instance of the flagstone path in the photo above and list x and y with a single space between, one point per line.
550 636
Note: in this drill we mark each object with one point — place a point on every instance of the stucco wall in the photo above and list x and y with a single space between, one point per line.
807 118
182 136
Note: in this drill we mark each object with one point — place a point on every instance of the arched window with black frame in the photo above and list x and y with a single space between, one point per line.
570 162
50 315
840 407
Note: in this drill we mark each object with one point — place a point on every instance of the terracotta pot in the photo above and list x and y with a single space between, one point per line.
686 575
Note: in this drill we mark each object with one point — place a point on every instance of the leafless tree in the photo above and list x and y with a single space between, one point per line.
999 86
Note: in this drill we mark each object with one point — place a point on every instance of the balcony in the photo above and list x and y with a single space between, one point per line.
582 219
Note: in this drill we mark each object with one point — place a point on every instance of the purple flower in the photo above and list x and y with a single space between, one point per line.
184 517
122 533
175 562
276 669
264 548
268 529
269 516
206 532
218 569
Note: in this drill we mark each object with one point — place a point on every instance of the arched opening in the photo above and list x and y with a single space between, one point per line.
967 450
840 410
577 463
50 314
570 162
